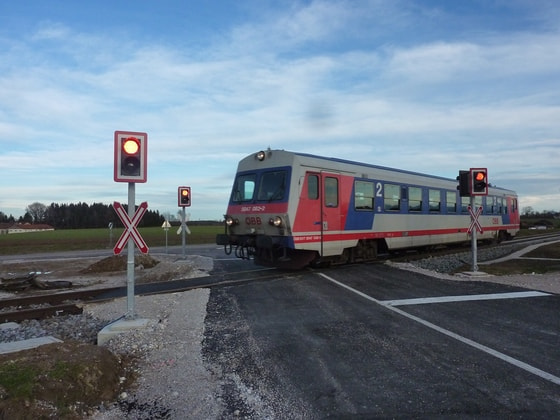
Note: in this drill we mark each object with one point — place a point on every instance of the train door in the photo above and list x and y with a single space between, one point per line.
330 213
318 215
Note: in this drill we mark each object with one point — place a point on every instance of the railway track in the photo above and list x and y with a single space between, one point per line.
43 305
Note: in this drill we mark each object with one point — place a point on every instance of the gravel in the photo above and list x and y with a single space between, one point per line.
173 382
69 327
450 263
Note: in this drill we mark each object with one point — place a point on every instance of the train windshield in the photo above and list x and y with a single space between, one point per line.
272 186
265 186
244 188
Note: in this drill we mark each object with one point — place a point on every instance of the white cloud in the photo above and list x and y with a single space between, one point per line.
289 80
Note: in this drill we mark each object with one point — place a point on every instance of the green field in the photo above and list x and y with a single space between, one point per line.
79 239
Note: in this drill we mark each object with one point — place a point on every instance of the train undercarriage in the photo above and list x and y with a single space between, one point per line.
268 252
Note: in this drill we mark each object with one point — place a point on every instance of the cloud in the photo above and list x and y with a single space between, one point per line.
358 80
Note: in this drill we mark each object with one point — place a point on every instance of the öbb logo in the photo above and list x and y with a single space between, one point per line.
253 220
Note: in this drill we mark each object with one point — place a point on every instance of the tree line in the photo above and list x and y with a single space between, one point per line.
78 216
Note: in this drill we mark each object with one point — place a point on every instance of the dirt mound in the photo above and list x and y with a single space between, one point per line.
118 263
62 380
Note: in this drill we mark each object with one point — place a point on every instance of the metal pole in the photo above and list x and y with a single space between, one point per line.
183 232
130 312
473 239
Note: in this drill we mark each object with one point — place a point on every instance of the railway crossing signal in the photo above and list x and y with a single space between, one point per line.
478 181
473 182
184 197
131 156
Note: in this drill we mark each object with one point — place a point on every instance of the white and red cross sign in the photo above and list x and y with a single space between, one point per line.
474 219
130 228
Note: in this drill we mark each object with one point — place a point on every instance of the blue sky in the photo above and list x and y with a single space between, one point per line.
430 86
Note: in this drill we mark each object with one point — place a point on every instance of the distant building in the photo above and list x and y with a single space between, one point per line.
9 228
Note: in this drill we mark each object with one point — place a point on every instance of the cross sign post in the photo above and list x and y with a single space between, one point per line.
130 230
473 228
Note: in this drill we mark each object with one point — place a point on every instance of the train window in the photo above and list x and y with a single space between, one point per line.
313 187
451 201
272 186
489 205
492 205
363 195
465 203
392 197
434 200
497 205
331 192
414 199
478 203
243 188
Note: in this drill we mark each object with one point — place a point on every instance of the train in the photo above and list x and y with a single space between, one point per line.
291 210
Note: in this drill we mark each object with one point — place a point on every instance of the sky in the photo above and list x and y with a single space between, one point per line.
422 85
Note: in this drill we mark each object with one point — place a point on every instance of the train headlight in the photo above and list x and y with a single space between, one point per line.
276 221
230 221
261 155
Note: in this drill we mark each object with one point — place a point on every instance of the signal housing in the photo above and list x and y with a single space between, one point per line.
130 157
478 181
184 196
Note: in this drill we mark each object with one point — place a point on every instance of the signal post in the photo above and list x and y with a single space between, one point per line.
184 200
130 165
472 183
131 158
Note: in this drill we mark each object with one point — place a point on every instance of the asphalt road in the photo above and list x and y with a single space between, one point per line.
350 342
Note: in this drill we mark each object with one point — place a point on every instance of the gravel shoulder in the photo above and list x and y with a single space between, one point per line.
172 379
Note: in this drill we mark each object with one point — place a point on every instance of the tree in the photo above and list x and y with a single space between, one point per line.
37 211
527 211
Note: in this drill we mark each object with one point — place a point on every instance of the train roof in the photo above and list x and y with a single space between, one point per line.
371 166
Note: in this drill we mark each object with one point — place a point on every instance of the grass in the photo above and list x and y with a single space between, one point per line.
82 239
17 380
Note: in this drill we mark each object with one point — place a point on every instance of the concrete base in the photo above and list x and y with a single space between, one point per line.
475 274
30 343
118 327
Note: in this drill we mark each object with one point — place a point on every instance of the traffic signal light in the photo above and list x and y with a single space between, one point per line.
478 181
463 186
184 197
131 156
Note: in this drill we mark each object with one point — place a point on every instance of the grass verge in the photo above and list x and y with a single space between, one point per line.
82 239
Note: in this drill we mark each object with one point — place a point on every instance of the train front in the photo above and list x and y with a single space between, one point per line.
257 223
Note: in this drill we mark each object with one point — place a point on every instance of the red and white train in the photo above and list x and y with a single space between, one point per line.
291 209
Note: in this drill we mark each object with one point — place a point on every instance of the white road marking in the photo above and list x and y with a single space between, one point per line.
462 298
508 359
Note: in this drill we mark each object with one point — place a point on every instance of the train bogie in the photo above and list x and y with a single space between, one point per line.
290 209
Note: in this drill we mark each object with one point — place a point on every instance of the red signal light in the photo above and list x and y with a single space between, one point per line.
131 146
131 156
478 184
184 197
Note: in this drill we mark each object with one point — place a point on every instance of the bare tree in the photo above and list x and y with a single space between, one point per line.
527 211
38 212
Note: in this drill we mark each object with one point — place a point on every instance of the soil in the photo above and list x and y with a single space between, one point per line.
69 380
61 380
